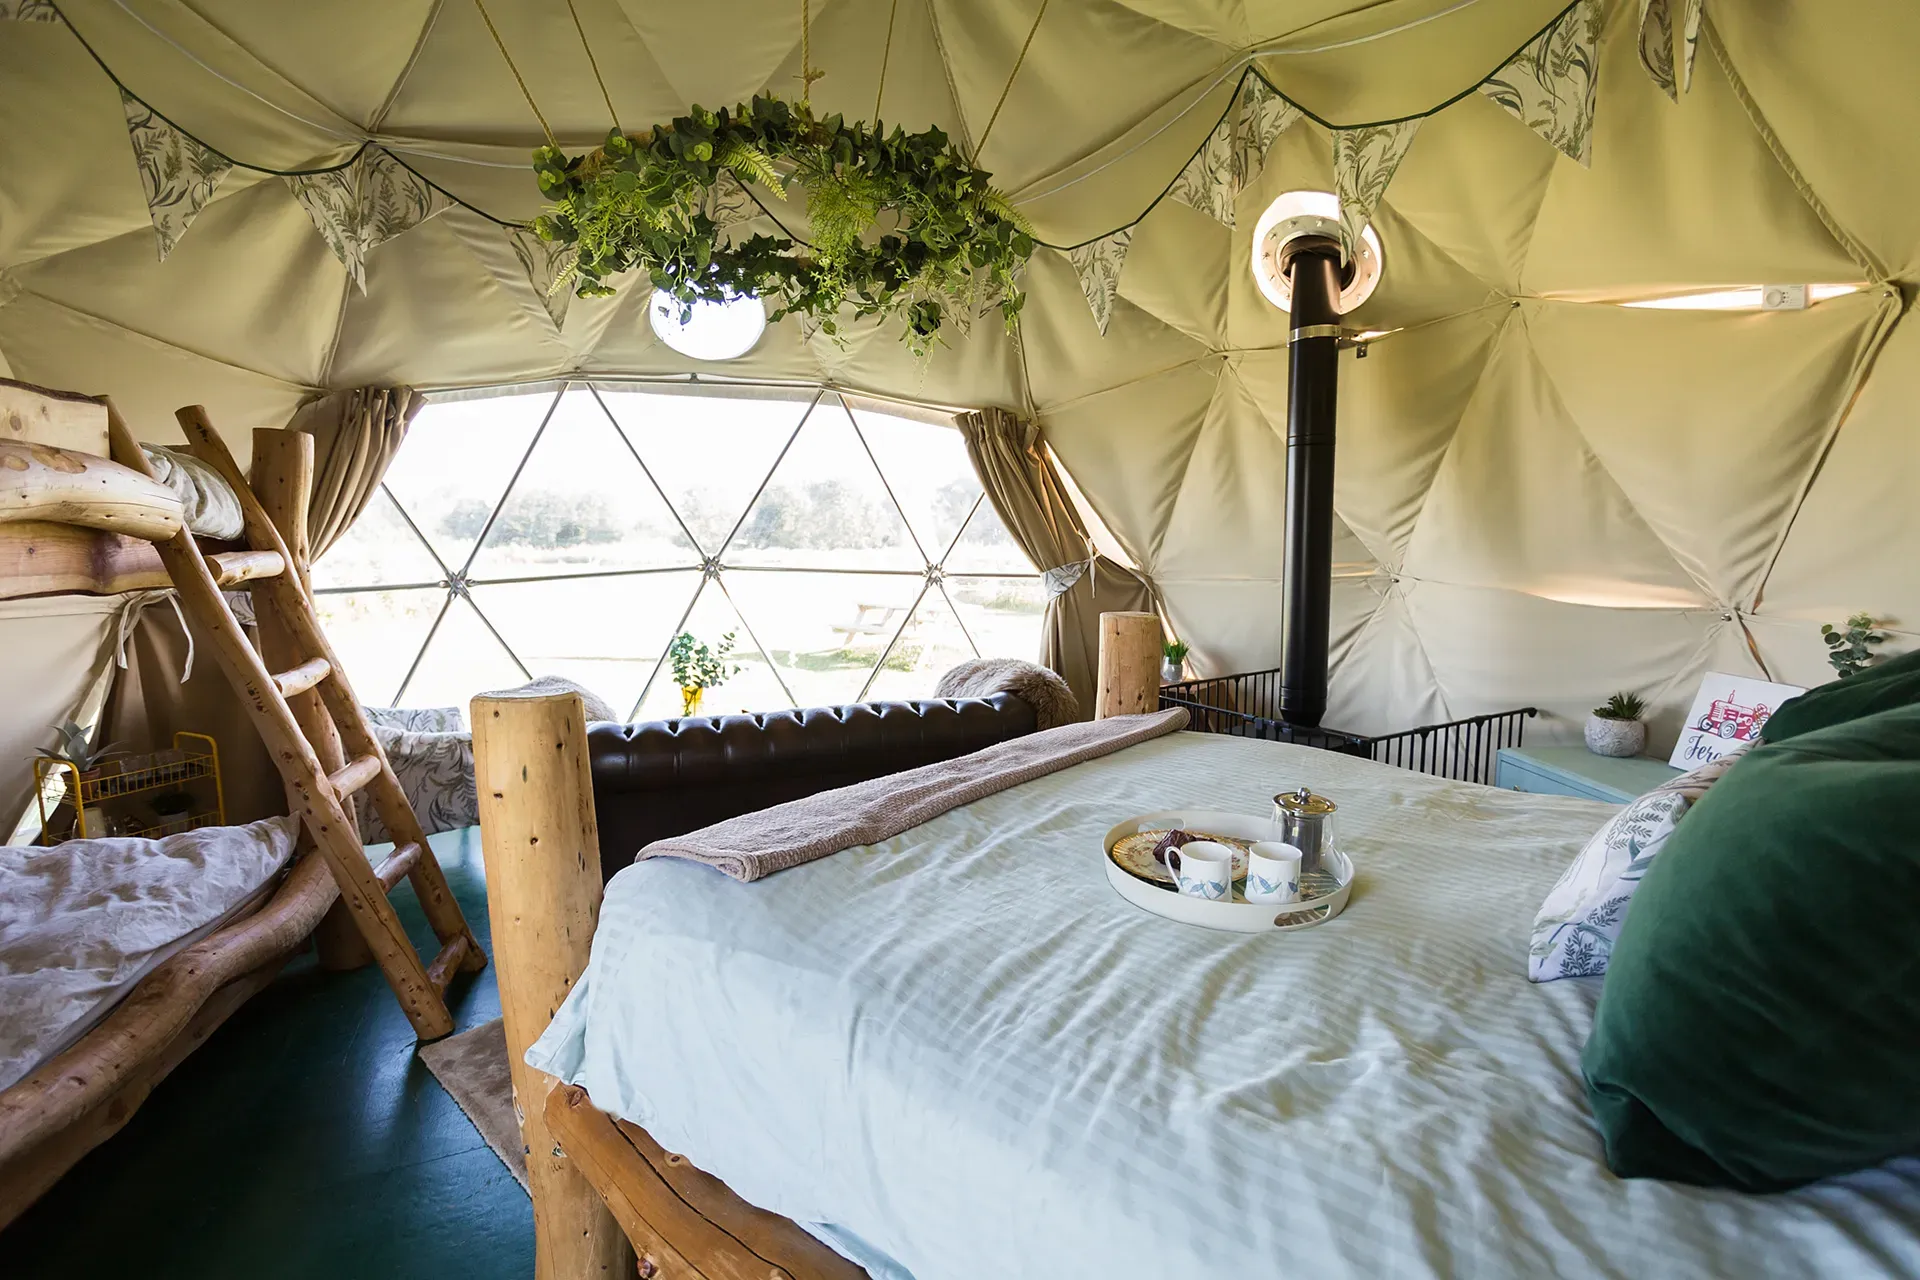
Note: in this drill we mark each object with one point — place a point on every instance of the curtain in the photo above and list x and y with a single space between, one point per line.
1032 502
355 435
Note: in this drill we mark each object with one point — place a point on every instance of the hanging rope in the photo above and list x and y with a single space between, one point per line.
591 62
886 51
807 74
993 119
524 91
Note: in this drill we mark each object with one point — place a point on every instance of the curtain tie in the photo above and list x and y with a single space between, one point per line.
130 612
1060 580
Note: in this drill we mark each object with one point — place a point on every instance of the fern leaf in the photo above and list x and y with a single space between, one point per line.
996 202
750 164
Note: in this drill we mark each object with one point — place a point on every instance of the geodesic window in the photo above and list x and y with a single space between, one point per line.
848 549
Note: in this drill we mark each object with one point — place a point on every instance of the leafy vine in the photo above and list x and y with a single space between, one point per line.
900 223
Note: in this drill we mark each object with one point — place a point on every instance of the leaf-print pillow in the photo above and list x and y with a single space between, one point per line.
1575 931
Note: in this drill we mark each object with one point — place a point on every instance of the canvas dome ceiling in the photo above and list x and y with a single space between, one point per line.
1542 496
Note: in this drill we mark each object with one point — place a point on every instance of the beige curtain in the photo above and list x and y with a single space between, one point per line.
1032 502
356 434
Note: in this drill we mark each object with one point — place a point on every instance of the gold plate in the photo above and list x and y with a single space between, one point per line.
1134 855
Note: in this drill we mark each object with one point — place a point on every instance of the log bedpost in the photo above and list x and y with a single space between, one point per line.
282 479
1129 665
542 850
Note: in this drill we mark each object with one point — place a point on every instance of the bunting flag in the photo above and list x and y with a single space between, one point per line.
1656 43
1549 85
1209 182
365 204
1364 161
178 172
548 266
29 11
1098 265
1264 116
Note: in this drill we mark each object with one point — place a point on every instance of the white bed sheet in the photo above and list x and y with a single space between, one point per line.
959 1053
82 923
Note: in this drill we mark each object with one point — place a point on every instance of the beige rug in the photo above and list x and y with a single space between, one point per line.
473 1068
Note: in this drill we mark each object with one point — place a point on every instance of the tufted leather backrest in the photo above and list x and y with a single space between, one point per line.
667 777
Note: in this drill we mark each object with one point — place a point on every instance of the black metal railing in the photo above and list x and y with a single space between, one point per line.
1247 706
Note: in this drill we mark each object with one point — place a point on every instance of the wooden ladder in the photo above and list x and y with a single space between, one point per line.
319 796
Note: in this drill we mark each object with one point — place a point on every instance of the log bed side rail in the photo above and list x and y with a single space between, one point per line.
82 1097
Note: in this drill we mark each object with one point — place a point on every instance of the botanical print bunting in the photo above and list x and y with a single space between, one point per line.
178 172
1364 161
28 11
1549 85
365 204
1209 182
1264 116
1098 265
1656 43
549 265
728 202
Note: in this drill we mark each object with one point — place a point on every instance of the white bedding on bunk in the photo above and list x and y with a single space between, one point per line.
82 922
961 1054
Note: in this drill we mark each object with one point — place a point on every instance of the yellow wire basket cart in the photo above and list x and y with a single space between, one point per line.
135 783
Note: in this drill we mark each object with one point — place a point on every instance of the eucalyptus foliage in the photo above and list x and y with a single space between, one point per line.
900 223
1850 651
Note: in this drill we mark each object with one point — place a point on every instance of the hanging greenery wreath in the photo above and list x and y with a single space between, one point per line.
900 223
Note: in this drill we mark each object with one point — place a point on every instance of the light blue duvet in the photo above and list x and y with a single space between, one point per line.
960 1054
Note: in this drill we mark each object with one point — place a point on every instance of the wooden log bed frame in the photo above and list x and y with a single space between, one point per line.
80 1098
607 1200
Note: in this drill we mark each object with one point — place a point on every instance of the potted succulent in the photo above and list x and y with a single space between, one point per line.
1173 659
87 764
1616 728
698 668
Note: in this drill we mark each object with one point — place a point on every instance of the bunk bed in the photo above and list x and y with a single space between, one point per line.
83 508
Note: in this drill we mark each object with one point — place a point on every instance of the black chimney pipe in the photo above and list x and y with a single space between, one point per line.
1313 379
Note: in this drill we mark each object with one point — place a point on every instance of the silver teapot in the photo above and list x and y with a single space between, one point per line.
1306 823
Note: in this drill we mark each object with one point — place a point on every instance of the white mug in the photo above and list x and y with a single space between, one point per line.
1273 872
1202 869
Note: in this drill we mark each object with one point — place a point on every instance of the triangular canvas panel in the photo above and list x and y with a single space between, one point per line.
1364 161
1209 183
1656 43
1263 116
365 204
1549 85
178 173
1098 264
729 203
549 268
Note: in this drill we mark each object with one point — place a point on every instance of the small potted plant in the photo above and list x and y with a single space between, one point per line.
87 764
1616 729
1850 651
698 668
1173 661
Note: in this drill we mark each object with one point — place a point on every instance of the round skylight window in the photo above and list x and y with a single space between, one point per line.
1309 213
715 331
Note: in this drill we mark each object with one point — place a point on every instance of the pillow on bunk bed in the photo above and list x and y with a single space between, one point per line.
1761 1013
82 922
418 719
1892 683
209 504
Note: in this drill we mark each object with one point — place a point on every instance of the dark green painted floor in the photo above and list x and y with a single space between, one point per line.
304 1139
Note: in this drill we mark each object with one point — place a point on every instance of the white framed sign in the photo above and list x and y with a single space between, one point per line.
1727 716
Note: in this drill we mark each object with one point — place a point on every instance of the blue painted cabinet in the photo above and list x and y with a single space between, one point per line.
1576 771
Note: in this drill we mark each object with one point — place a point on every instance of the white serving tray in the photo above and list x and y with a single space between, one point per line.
1235 915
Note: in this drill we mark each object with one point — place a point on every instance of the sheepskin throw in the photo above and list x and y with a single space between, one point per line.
1052 702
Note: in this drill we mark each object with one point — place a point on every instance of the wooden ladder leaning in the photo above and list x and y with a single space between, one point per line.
298 713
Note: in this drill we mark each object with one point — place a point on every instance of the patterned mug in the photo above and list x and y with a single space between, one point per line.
1273 872
1202 869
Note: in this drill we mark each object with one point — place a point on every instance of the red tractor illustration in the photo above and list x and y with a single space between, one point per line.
1731 720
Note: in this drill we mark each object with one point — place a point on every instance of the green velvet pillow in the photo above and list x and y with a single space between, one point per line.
1760 1023
1894 682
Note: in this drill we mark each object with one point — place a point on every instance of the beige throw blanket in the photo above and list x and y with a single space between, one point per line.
758 844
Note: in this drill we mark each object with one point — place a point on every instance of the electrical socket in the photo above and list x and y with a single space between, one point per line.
1783 297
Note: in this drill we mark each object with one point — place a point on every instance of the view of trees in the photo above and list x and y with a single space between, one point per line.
544 518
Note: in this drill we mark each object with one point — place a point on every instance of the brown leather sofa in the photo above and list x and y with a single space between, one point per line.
667 777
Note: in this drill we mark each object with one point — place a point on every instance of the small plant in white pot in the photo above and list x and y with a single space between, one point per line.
1616 729
1173 661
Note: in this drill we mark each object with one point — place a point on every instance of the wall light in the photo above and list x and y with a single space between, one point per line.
1747 298
714 331
1299 213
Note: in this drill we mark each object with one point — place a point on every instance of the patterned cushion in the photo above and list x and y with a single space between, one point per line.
1579 922
418 719
436 772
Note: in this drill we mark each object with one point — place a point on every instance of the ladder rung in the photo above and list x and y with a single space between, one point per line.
447 963
302 677
354 775
398 864
231 568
